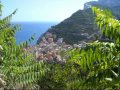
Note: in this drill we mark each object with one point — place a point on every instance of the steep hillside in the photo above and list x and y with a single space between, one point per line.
81 26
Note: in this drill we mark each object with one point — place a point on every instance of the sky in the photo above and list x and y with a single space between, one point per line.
41 10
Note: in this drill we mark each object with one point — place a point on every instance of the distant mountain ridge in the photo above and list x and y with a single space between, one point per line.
81 26
113 5
106 3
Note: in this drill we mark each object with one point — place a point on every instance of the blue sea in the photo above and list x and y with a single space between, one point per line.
29 29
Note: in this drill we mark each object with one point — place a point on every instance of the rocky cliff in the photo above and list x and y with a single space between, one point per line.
81 26
112 5
105 3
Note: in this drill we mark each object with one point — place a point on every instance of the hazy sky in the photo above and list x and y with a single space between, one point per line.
42 10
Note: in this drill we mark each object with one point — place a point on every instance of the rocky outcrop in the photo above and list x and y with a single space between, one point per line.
112 5
105 3
81 26
109 3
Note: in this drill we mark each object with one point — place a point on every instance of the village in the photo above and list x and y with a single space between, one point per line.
50 50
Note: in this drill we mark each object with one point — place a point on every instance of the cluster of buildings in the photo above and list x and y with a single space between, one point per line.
49 50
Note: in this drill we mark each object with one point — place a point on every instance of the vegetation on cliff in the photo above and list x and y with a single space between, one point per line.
81 26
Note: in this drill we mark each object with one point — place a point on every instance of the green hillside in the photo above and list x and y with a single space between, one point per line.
81 26
73 28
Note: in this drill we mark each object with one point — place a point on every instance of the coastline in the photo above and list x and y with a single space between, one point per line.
28 29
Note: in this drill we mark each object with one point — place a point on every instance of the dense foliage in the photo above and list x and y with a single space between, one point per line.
18 69
94 66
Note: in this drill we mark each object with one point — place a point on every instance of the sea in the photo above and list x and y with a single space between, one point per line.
29 29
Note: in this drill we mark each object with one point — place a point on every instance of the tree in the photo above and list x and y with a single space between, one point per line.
17 68
99 61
